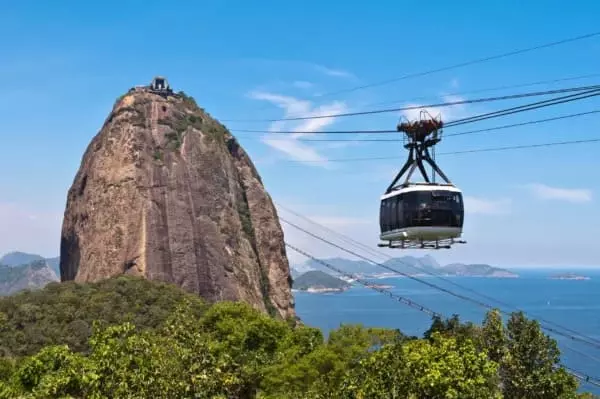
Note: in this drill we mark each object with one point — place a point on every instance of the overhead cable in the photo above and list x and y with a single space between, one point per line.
533 122
577 374
463 64
380 254
455 66
487 89
432 285
435 105
368 284
522 108
516 147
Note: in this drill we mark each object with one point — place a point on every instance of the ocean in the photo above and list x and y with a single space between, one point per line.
574 304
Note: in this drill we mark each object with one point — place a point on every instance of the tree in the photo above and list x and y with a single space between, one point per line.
441 367
493 336
452 327
530 367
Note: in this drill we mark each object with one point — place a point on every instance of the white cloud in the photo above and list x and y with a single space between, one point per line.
294 107
338 73
296 150
454 83
576 195
301 84
29 230
477 205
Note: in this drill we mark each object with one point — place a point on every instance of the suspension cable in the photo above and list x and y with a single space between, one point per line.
577 374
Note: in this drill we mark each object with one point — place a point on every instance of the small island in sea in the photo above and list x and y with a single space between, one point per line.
381 286
568 276
317 281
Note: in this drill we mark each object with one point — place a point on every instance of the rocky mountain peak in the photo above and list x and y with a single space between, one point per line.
166 192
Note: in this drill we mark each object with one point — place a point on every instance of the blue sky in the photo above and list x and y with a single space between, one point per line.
64 64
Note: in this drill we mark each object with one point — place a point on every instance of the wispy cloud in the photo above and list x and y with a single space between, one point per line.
575 195
294 107
478 205
338 73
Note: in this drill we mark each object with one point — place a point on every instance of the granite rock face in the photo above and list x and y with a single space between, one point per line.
166 192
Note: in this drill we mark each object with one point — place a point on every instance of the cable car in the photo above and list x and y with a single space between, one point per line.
422 212
421 215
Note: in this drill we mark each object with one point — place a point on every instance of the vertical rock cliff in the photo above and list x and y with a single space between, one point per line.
166 192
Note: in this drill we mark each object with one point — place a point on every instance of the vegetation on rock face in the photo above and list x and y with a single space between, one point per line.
156 341
191 115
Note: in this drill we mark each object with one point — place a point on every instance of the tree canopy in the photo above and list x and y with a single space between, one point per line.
153 340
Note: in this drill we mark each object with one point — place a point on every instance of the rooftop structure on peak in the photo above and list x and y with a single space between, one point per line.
159 85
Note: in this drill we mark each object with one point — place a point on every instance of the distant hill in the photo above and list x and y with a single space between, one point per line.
30 276
477 270
409 265
294 272
18 258
54 264
317 280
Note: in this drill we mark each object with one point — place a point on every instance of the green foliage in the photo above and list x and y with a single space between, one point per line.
62 313
529 365
229 350
442 367
175 139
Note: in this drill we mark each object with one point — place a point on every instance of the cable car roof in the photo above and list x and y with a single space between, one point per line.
422 187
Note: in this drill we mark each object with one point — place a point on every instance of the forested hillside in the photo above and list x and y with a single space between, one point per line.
128 337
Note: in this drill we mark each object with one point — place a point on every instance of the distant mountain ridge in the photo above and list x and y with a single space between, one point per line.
18 258
21 270
30 276
409 265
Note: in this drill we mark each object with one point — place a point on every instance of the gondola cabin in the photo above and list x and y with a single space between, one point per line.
422 212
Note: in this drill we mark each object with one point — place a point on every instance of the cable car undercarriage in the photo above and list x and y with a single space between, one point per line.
425 215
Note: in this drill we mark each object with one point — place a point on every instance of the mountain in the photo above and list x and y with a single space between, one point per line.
166 192
476 270
33 275
349 266
17 258
409 265
54 264
316 280
294 272
406 264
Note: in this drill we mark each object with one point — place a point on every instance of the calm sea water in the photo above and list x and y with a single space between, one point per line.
571 303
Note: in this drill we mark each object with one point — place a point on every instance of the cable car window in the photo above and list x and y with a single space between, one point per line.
399 212
386 214
393 218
